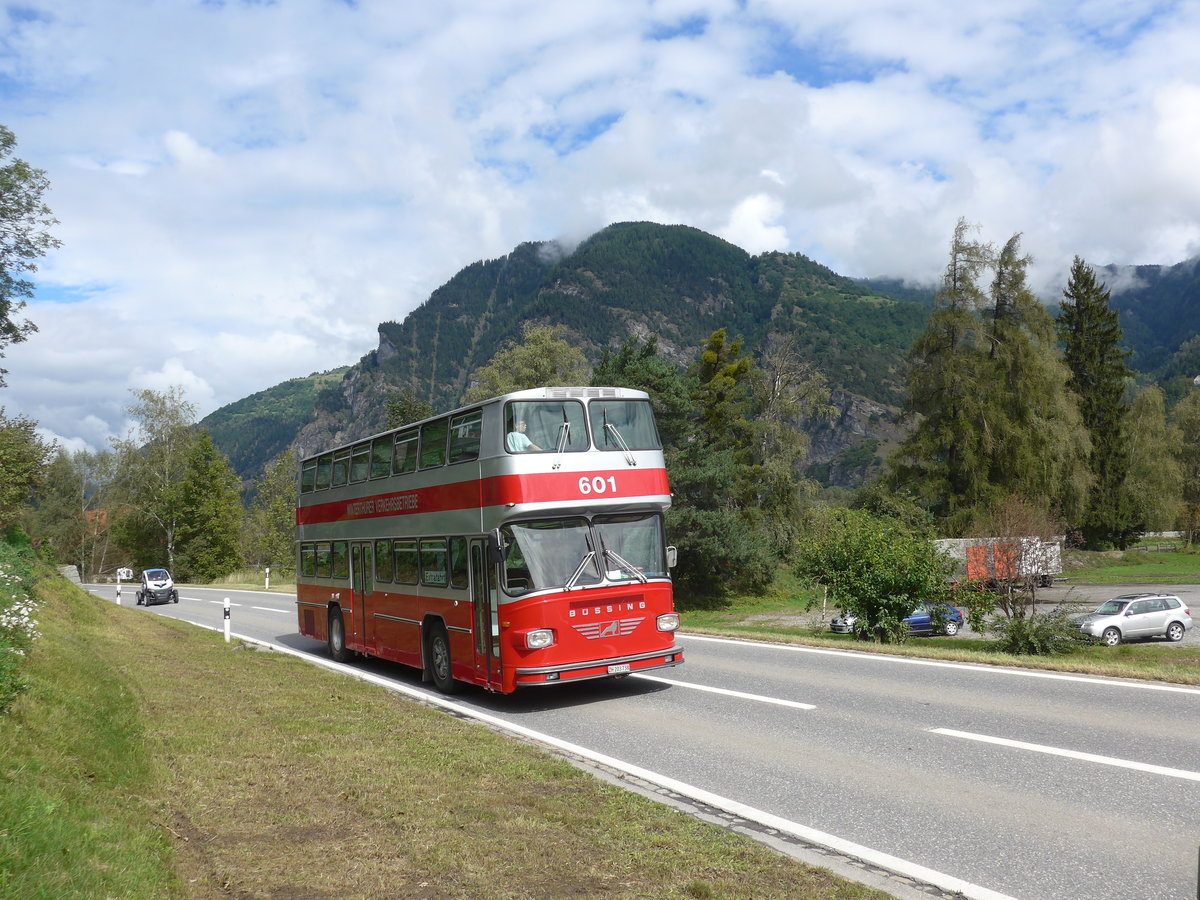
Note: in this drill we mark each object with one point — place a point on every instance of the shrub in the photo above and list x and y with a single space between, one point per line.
18 628
1042 634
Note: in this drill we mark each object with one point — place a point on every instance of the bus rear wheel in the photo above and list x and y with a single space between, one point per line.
337 637
439 660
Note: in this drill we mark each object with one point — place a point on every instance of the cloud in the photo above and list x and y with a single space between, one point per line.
246 190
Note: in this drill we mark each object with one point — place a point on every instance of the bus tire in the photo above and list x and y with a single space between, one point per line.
337 636
438 647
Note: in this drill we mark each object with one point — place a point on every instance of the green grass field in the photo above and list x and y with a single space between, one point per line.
149 759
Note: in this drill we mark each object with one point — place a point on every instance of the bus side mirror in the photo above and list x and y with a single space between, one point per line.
495 553
672 557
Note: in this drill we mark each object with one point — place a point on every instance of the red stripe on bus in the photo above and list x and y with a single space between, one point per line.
552 487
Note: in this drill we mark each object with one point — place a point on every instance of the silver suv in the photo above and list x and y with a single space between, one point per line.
1138 616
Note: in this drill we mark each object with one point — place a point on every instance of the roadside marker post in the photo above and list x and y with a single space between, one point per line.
268 584
227 620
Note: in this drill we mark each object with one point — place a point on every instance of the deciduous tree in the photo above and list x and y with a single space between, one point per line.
24 237
150 465
271 519
1155 479
543 357
875 568
24 457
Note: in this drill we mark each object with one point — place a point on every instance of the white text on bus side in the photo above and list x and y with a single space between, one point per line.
605 610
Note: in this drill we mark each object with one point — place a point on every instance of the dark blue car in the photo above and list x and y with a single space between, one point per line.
934 618
927 618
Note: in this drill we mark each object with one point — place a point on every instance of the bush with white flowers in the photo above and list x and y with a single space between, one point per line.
18 627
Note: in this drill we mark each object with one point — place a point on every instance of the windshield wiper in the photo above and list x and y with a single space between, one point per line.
564 437
570 585
610 428
623 563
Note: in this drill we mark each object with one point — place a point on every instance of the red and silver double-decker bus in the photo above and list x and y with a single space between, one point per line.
513 542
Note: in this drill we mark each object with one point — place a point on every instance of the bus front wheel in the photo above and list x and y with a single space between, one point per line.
337 637
439 660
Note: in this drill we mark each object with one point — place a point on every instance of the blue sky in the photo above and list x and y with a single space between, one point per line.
246 189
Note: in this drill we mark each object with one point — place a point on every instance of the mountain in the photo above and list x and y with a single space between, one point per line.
256 429
637 279
1160 315
629 280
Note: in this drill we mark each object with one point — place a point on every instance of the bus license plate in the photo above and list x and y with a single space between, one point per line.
618 669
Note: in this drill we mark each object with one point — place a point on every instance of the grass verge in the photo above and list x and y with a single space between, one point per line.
1181 566
790 614
150 759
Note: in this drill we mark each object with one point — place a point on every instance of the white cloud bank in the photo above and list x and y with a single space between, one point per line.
247 189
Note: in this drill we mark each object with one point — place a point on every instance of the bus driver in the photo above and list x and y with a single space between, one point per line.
517 441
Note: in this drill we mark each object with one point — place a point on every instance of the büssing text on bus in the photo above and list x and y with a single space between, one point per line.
514 542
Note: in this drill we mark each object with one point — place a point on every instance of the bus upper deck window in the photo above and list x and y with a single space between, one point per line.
324 470
308 477
381 457
531 426
464 436
404 457
433 444
623 421
360 462
341 467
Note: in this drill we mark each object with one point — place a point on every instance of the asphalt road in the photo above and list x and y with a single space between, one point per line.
1029 785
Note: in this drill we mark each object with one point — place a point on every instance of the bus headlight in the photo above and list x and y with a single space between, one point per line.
539 639
669 622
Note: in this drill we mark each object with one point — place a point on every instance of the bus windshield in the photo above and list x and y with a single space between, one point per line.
568 553
547 554
623 425
631 546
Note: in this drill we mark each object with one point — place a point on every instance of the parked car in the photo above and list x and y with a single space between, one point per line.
1137 616
927 618
157 587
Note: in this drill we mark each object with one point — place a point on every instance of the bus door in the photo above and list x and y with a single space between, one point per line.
361 571
486 624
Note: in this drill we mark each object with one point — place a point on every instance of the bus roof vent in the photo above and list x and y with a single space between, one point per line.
582 393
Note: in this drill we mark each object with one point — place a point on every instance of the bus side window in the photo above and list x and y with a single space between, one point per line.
308 560
458 562
341 467
406 562
324 469
433 562
464 436
383 561
381 457
360 462
433 444
404 457
341 560
324 560
308 477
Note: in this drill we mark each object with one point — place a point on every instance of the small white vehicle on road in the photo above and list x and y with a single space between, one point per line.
157 587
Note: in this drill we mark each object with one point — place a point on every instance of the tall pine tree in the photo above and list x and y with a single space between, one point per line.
1039 448
1090 331
943 464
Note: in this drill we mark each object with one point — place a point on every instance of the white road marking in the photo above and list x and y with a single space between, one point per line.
1072 754
966 667
728 693
286 612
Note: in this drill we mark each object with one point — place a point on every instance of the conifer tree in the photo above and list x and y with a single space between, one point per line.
1038 447
1090 331
943 464
208 538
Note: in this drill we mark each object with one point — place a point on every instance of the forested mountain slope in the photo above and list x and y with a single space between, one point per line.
637 279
